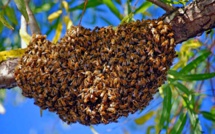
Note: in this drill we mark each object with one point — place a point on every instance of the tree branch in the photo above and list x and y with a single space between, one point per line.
187 22
193 20
32 21
7 79
164 6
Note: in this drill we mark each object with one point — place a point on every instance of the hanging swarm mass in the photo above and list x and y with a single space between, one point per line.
97 76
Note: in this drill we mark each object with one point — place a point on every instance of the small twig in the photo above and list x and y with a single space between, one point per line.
164 6
32 21
82 14
136 3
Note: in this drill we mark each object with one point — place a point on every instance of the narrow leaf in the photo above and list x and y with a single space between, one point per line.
178 127
11 54
127 18
67 21
143 7
141 120
113 8
166 106
4 21
58 33
90 4
54 15
25 36
65 5
11 15
148 131
1 28
195 63
22 8
208 115
183 88
44 7
196 77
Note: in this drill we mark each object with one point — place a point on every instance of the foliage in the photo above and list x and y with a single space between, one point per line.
183 93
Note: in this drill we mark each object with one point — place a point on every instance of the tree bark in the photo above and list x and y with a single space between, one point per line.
193 20
187 22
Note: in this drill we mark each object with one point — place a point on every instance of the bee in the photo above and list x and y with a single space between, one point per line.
103 93
62 102
88 110
101 109
105 98
172 41
135 93
123 82
164 30
165 43
112 110
141 82
124 106
160 22
87 98
135 103
112 97
170 34
104 121
133 82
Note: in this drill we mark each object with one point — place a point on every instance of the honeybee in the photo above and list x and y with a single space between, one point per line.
164 30
172 41
112 110
165 43
124 106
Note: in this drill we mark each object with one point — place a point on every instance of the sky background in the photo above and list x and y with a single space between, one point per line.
23 117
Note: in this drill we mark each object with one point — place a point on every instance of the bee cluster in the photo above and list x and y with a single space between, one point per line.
96 76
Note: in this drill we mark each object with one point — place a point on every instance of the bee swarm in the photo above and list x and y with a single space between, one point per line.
97 76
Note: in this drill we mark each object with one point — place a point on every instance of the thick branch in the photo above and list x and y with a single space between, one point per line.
187 22
192 20
164 6
7 73
32 20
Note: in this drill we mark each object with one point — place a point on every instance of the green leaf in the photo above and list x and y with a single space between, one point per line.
195 62
90 4
143 7
196 77
113 8
183 88
54 15
44 7
167 105
127 18
193 116
4 21
129 8
4 55
179 125
22 8
11 15
208 115
148 131
2 95
1 27
141 120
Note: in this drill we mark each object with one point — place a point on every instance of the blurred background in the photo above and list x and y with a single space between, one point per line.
181 105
